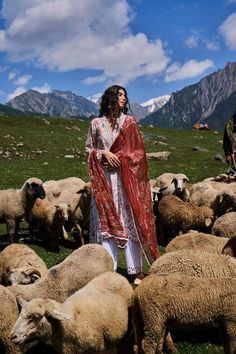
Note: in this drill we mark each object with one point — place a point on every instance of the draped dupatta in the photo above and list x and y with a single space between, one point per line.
129 148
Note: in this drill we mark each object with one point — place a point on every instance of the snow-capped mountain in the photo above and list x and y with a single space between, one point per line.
155 103
95 98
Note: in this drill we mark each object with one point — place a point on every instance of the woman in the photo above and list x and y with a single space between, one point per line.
121 210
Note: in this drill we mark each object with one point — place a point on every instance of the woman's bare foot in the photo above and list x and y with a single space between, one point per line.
139 278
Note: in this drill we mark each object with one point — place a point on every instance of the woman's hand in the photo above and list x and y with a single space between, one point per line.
112 160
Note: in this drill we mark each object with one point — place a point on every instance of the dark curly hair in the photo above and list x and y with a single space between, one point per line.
109 102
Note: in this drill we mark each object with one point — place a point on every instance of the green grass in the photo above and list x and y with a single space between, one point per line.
37 147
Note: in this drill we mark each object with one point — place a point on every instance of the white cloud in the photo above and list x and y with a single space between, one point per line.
228 31
190 69
18 91
192 41
22 80
212 45
86 34
11 75
42 89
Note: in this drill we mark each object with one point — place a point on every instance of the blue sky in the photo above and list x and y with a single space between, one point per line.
151 47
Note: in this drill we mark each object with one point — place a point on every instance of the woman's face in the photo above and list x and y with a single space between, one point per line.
121 99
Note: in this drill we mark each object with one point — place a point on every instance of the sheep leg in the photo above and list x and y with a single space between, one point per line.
11 226
149 345
80 232
168 343
229 337
64 233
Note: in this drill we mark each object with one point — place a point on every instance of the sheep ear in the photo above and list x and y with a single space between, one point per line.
59 315
33 274
208 221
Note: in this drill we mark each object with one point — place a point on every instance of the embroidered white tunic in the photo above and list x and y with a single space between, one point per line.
101 137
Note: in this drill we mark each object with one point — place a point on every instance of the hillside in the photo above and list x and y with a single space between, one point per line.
211 100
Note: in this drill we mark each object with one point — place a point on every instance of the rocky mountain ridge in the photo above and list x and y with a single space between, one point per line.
202 102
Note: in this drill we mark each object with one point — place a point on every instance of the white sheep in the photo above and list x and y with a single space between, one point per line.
225 225
92 319
56 190
218 196
19 264
16 203
175 215
70 275
79 212
8 316
176 184
195 263
198 241
180 302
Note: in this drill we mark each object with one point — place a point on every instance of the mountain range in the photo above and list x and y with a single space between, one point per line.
212 100
68 104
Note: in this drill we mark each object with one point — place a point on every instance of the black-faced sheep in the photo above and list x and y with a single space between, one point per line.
180 302
67 277
218 196
92 319
15 204
174 184
175 216
19 264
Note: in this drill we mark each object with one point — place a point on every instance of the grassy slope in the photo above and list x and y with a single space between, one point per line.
42 154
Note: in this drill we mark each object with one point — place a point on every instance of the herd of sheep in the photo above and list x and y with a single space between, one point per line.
81 305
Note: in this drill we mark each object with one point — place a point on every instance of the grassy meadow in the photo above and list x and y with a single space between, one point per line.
53 148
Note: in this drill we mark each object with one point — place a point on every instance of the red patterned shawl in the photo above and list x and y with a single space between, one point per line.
129 148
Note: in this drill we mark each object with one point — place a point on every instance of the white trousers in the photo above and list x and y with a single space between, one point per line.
133 254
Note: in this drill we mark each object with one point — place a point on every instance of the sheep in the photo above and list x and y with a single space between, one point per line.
16 203
76 193
79 214
50 220
224 226
195 263
176 184
65 278
8 316
94 318
56 190
175 215
218 196
197 241
19 264
184 303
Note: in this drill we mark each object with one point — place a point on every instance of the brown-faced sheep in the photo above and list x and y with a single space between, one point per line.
67 277
175 216
180 302
19 264
197 241
94 318
8 316
15 204
50 220
225 225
